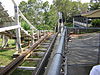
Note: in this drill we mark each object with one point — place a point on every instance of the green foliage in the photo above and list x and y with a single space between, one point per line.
69 24
5 56
94 6
42 14
43 27
25 25
29 63
96 23
70 8
39 14
22 72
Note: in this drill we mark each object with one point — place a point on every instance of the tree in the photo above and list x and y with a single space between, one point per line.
94 6
70 8
39 14
96 23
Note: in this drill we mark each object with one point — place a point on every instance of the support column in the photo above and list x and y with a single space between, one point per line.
5 38
18 36
18 40
4 41
32 41
58 26
60 22
38 34
73 22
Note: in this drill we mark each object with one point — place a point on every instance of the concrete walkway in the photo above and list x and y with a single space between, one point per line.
82 54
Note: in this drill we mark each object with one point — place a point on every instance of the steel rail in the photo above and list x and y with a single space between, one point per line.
54 67
41 67
15 63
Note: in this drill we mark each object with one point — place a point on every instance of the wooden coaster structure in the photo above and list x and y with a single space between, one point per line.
11 27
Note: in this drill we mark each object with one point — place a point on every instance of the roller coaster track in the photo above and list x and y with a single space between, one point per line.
43 45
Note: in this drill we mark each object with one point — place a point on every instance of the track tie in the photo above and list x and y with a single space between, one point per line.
22 68
43 46
45 43
33 59
38 54
40 50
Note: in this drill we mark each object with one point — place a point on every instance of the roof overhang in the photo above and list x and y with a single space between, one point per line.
92 14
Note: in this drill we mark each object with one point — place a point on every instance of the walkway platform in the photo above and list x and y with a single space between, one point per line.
82 53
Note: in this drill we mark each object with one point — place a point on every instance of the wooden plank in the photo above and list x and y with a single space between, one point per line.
7 19
4 41
1 8
22 67
27 20
33 59
25 32
40 50
9 28
3 13
38 54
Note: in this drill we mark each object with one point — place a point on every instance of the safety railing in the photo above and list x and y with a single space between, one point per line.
56 64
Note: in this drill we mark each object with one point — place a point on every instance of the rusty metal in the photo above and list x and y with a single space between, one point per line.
15 63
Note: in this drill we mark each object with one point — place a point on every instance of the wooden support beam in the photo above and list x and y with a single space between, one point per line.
22 68
38 54
40 50
32 27
73 23
33 59
18 36
8 34
1 8
25 32
18 40
38 34
4 41
9 28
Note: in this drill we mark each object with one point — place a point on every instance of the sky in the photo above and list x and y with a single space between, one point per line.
8 5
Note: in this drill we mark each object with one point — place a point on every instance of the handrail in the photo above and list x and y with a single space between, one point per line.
55 67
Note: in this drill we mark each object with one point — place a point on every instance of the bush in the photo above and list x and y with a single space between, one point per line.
69 24
96 23
43 27
25 25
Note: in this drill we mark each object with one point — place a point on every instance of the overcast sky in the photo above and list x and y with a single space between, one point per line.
8 5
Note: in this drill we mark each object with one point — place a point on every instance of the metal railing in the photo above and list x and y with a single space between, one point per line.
56 64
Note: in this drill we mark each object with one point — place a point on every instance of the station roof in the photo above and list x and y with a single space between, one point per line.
92 14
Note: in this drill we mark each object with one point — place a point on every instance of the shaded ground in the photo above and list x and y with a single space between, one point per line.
82 53
6 56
